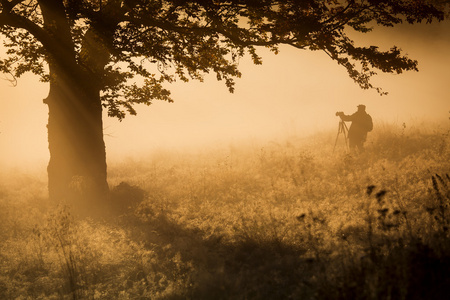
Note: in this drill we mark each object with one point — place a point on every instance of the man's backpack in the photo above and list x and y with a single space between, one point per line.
368 123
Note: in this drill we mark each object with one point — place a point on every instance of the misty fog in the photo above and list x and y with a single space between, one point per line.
294 93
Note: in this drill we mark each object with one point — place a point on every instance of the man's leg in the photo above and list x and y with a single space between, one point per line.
356 145
352 143
360 146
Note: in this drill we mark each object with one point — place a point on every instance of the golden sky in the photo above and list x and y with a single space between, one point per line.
293 93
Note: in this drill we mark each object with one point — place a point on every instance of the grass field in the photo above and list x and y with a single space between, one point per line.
280 220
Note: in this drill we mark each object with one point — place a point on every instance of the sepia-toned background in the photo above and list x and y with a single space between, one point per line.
294 93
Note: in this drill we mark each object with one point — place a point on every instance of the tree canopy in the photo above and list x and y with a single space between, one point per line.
118 41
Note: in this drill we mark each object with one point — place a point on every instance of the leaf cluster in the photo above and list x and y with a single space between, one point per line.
134 47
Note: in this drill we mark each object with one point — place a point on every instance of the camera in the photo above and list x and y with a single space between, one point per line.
339 113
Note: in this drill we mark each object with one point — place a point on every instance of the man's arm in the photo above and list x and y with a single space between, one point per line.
346 118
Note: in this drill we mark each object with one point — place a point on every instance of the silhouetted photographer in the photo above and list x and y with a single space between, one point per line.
361 125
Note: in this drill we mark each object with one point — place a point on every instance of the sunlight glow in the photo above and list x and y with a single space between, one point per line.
293 93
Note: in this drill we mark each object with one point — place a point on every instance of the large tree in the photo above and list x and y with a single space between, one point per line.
112 54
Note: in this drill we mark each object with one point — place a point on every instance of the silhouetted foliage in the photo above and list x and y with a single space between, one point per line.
186 39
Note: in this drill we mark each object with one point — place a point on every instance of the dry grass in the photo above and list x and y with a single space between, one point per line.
277 221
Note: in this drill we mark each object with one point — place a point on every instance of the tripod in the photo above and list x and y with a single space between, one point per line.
344 130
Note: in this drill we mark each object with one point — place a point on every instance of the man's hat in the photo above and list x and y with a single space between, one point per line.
361 105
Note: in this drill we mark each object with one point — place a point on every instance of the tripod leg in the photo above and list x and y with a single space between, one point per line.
337 136
345 130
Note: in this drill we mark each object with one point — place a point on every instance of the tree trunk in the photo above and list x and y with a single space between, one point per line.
77 166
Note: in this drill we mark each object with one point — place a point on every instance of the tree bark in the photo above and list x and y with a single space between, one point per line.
77 166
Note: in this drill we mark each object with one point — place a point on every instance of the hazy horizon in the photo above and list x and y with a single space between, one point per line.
294 93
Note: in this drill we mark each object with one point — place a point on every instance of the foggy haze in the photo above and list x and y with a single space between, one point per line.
295 93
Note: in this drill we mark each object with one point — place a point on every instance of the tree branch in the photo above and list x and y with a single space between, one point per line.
16 21
9 5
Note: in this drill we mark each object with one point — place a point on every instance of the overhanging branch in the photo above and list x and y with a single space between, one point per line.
16 21
9 5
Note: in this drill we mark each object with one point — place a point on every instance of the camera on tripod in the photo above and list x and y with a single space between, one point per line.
339 113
